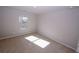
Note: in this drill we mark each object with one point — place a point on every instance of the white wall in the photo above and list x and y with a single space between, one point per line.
11 24
0 22
61 26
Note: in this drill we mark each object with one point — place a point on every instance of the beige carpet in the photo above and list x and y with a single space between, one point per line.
21 45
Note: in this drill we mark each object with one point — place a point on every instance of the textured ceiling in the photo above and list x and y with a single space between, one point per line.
40 9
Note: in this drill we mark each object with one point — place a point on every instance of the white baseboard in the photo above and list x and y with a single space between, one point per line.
65 45
14 35
10 36
60 42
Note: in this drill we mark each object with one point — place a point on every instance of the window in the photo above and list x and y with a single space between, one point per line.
23 21
37 41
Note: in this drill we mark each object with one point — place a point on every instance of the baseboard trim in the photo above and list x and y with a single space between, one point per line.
10 36
60 42
65 45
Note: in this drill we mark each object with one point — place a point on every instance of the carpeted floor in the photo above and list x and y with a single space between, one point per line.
21 45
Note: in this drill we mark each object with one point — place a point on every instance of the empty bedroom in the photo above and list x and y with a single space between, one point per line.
39 29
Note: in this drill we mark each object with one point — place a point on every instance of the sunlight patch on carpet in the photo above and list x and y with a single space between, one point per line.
37 41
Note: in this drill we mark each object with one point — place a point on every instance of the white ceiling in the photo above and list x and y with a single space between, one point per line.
39 9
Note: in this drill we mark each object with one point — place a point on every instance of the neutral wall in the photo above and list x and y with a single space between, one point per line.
61 26
0 22
10 22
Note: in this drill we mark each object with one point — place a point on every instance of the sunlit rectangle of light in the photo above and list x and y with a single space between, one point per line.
31 38
41 43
